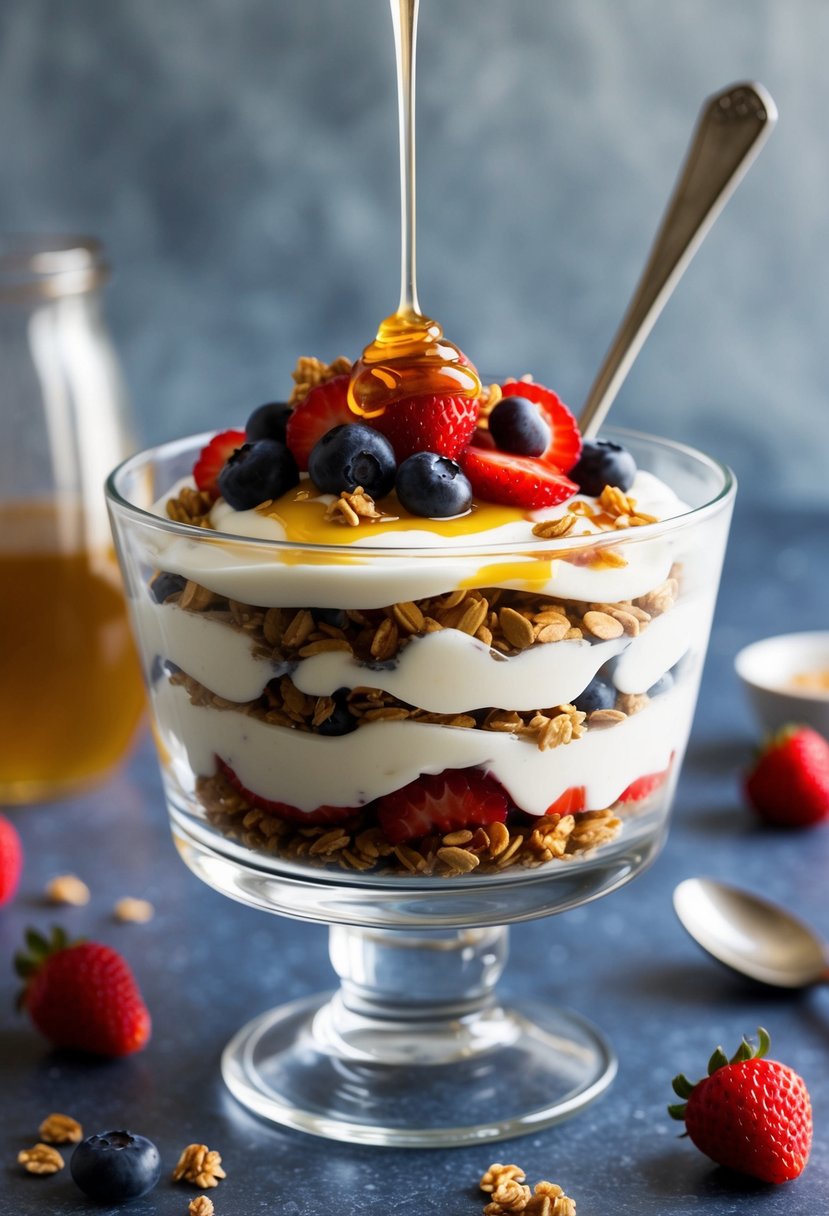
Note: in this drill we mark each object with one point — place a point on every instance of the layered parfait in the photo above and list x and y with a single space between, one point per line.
444 638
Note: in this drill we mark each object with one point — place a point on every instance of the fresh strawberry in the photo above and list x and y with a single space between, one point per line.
565 445
325 407
428 424
322 814
643 787
570 802
789 783
82 995
749 1114
448 802
11 859
213 459
515 481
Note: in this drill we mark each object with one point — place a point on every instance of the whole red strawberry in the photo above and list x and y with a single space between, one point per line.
11 859
82 995
789 783
749 1114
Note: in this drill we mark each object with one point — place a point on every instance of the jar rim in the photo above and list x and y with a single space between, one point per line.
50 265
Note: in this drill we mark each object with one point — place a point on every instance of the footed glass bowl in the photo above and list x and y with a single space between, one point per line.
419 744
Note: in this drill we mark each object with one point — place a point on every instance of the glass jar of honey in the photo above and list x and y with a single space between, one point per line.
70 686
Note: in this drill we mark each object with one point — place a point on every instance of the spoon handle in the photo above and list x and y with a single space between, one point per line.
732 127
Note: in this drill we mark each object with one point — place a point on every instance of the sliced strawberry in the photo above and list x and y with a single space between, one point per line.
643 787
565 445
570 802
515 481
325 407
448 802
322 814
213 458
428 424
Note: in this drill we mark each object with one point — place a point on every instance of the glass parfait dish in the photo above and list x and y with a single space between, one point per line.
288 678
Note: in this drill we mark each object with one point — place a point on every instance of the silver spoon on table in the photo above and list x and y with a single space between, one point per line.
750 935
732 127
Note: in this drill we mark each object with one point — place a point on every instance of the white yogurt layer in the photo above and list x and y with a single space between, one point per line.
306 770
446 672
299 577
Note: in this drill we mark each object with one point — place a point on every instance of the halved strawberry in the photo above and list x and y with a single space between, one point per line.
565 445
515 481
213 458
322 814
570 802
643 787
428 424
446 802
325 407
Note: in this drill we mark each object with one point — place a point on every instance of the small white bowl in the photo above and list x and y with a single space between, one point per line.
767 670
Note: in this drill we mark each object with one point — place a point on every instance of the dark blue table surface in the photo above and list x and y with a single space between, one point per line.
206 965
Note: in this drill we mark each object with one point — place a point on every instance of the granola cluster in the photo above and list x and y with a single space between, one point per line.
509 1195
359 845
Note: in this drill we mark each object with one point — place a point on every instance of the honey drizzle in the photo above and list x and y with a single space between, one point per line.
410 357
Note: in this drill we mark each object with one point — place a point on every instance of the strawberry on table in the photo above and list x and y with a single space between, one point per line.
82 995
213 458
788 785
11 859
446 802
325 407
429 423
750 1114
515 481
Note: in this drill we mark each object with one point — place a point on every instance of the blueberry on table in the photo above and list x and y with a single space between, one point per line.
256 472
603 463
113 1167
517 426
164 585
434 486
352 455
598 695
268 422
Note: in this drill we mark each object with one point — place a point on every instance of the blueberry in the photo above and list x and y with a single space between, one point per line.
256 472
115 1166
330 616
268 422
340 722
663 684
352 455
517 426
597 695
603 463
164 585
433 485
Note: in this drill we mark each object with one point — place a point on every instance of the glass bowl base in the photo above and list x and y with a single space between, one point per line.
494 1073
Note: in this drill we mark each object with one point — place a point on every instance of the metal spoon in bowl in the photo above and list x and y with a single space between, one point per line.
751 935
732 127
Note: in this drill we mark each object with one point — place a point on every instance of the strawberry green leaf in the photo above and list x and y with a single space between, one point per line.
718 1060
677 1111
682 1087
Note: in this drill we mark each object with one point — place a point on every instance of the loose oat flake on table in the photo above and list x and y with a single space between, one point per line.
505 1184
199 1166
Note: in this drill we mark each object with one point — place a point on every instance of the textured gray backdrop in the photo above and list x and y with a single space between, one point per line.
239 159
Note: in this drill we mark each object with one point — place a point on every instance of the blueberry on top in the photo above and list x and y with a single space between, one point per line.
597 695
433 485
256 472
352 455
517 426
268 422
113 1167
603 463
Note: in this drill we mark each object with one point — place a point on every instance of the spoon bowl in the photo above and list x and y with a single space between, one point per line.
750 935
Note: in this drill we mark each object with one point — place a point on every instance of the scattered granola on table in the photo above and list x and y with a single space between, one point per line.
504 1185
200 1166
200 1206
136 911
41 1159
60 1129
68 889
